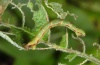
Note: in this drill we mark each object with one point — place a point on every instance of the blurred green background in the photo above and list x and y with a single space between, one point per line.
88 12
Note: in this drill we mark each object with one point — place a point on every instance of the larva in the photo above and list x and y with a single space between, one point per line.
32 44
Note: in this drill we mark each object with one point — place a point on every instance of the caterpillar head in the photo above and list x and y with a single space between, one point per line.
79 33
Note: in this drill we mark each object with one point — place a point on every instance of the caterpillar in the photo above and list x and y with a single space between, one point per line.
32 44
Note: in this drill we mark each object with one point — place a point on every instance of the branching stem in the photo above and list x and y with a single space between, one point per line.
4 36
81 41
23 16
80 54
22 29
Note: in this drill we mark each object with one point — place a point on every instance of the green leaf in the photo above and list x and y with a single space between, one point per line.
46 37
70 57
64 41
30 5
57 8
40 17
17 35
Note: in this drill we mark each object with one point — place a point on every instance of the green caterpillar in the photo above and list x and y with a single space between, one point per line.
32 44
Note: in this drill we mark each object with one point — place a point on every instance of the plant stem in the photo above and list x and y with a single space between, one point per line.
23 16
4 36
80 54
19 28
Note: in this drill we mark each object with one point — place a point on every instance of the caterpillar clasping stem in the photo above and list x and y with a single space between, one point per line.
58 22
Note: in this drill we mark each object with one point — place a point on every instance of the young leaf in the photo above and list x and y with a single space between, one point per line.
70 57
30 5
40 18
17 35
57 8
64 41
46 37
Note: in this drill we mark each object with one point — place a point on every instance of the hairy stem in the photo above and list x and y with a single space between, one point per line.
67 50
19 28
4 36
83 55
23 16
81 41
